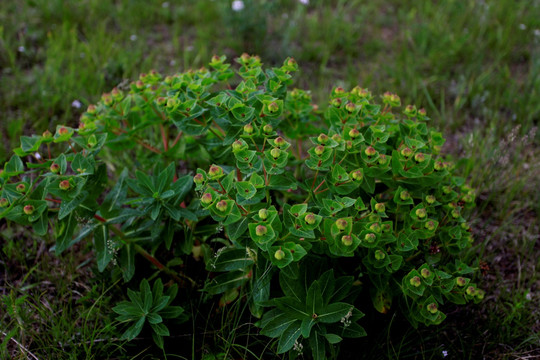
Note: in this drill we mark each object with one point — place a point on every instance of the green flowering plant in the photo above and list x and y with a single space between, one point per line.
296 210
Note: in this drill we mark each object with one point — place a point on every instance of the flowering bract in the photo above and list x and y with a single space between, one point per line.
251 174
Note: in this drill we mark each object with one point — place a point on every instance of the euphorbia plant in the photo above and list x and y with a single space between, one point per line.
229 166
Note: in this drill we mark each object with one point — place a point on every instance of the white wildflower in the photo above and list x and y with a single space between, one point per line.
237 5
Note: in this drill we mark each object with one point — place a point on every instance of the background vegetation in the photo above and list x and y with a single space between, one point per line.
474 66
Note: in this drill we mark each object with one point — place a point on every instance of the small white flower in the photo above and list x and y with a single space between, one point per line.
237 5
172 62
21 49
522 26
76 104
444 353
536 32
38 156
133 37
305 2
165 5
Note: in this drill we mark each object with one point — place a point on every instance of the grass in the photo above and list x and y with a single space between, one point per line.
475 67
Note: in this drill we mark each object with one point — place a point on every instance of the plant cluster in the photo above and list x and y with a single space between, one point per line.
295 210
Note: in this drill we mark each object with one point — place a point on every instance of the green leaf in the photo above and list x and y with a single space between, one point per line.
314 301
134 330
171 312
334 312
245 189
67 207
292 288
333 338
318 346
127 262
289 337
231 259
30 144
226 281
64 233
237 229
277 325
103 254
14 166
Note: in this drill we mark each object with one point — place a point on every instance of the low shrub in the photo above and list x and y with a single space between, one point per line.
297 211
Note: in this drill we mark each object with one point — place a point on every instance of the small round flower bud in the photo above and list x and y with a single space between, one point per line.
339 90
117 94
421 213
354 133
168 80
410 110
248 129
279 141
206 199
268 128
198 179
107 99
261 230
430 199
357 175
323 138
64 185
370 151
91 109
415 281
336 137
21 188
62 131
341 224
455 213
379 255
47 134
379 207
432 308
291 62
422 112
465 226
215 170
4 202
237 145
460 281
438 166
336 102
245 57
404 195
447 189
28 209
349 144
347 240
471 290
275 152
273 107
279 255
480 294
319 150
55 168
430 225
406 152
375 227
161 101
263 214
419 157
350 107
310 218
171 103
221 205
383 159
425 273
370 238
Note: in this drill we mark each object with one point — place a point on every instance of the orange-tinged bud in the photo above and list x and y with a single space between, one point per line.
64 185
261 230
28 209
347 240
